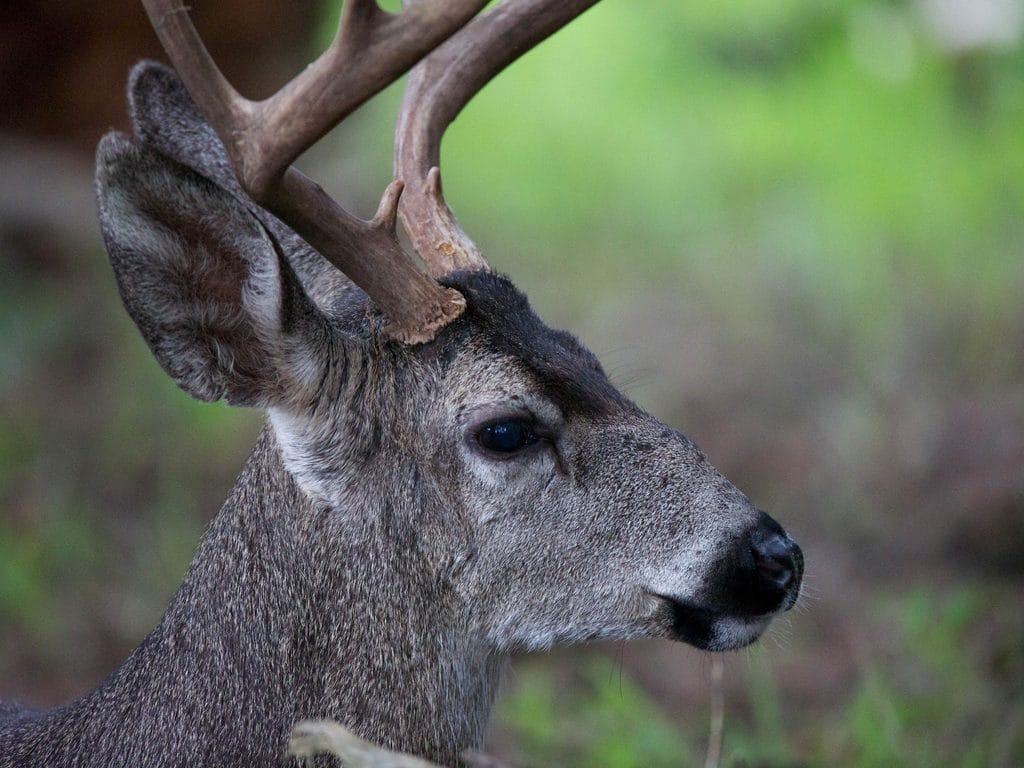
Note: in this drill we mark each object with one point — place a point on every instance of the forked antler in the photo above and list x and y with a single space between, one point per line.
372 49
437 90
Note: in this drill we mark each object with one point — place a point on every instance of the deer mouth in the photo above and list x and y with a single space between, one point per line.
708 629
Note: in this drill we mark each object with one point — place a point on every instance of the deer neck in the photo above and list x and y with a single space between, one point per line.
291 611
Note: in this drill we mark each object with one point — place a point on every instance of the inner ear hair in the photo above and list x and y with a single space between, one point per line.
206 283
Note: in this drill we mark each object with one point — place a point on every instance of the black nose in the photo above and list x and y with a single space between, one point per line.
777 559
769 571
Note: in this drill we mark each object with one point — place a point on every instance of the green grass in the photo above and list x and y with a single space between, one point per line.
607 720
931 699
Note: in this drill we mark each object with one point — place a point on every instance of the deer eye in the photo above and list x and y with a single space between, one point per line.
507 436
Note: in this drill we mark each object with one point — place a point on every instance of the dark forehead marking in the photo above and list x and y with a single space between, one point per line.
569 373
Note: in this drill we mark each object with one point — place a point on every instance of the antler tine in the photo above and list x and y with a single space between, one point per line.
372 49
437 90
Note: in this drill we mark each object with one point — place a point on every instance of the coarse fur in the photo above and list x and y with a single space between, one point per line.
375 562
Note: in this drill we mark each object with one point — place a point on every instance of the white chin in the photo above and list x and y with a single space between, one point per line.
729 632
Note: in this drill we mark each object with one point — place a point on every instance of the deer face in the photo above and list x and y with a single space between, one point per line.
588 518
557 510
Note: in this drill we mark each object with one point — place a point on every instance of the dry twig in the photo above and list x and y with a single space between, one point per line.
325 737
318 737
715 730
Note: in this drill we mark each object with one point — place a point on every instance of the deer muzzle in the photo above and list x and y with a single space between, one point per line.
756 579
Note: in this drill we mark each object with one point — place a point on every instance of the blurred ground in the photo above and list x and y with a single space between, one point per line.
793 230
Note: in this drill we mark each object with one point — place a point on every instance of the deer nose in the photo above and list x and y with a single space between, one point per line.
768 571
777 559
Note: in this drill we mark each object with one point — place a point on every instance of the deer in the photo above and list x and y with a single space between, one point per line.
441 480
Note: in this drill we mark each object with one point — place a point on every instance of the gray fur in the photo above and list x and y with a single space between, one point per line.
374 564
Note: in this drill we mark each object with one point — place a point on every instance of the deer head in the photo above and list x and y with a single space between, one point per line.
504 492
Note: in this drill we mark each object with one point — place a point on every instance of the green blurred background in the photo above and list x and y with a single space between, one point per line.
792 228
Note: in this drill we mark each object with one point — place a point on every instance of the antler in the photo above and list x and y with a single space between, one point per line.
372 48
437 90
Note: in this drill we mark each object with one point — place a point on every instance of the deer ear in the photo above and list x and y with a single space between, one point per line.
204 281
165 118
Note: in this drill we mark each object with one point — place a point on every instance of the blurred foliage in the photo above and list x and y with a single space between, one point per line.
805 219
607 720
831 151
926 705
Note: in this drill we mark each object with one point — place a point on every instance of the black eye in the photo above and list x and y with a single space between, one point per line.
507 436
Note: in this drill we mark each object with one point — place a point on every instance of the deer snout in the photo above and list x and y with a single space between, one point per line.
770 569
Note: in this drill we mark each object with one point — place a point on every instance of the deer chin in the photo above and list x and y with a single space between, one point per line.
707 629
